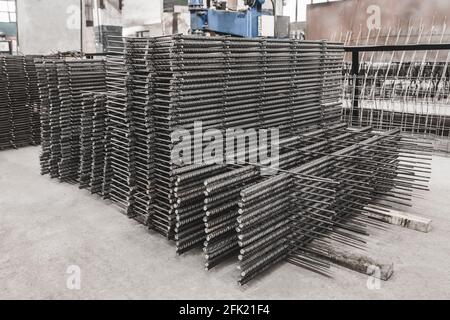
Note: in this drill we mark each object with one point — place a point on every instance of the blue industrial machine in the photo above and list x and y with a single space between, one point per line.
249 22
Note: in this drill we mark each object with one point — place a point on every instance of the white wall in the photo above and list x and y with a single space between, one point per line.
140 15
46 26
110 16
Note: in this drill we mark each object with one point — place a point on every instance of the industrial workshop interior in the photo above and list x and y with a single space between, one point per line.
225 150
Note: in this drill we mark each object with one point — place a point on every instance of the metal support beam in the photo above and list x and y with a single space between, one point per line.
405 47
357 91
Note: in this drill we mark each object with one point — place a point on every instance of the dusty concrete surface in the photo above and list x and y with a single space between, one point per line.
47 226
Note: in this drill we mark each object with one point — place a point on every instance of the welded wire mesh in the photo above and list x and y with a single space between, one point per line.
408 90
70 121
19 102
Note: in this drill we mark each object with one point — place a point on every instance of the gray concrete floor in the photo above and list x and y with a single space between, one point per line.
46 226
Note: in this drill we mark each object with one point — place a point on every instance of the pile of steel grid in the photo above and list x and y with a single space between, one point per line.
231 83
94 145
142 96
130 95
222 192
119 104
19 108
291 216
49 97
62 88
328 176
211 194
156 85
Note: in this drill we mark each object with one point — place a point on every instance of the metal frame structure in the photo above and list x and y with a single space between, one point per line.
356 50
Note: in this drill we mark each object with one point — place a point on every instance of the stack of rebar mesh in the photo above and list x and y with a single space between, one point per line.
177 93
130 94
73 121
19 103
142 96
94 171
121 130
258 83
228 83
33 98
293 215
222 193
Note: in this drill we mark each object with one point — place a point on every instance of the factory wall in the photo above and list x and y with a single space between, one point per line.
178 20
111 15
380 21
107 22
142 15
46 26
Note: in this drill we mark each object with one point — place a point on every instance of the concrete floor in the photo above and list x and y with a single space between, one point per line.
47 226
